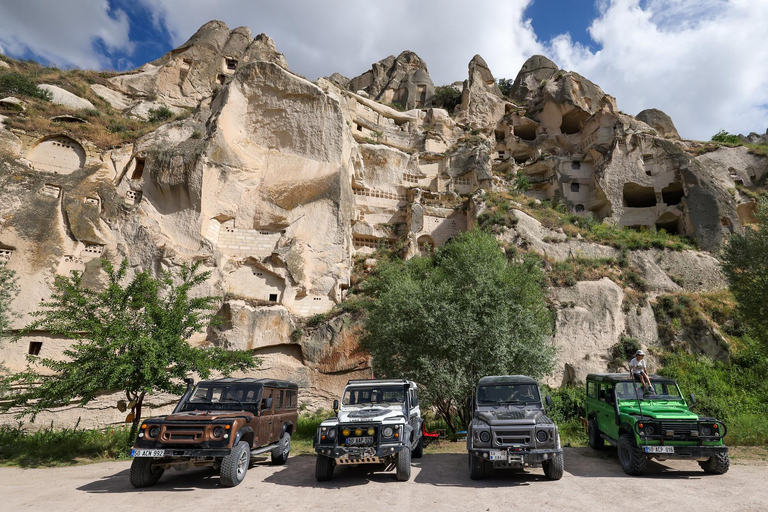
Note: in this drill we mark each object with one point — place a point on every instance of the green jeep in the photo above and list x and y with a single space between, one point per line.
647 425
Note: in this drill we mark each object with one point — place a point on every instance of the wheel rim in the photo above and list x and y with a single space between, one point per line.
242 462
286 444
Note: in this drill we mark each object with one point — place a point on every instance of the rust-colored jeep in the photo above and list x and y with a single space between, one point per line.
219 423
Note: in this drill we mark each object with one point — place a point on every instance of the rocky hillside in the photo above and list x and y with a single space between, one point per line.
286 189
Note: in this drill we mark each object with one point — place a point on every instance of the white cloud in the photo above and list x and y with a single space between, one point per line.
703 62
63 32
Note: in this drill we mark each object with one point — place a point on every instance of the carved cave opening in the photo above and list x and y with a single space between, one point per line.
638 196
669 223
673 193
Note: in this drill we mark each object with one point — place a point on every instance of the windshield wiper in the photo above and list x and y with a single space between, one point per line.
513 402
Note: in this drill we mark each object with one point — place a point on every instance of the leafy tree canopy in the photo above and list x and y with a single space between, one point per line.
447 97
130 338
8 290
448 320
745 263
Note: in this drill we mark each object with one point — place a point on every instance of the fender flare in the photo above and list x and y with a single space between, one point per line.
241 433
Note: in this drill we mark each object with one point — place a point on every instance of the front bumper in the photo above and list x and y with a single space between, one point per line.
517 458
192 453
689 452
359 454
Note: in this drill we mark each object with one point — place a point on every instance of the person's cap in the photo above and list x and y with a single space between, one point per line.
639 353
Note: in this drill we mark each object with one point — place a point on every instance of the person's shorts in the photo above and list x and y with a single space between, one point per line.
638 376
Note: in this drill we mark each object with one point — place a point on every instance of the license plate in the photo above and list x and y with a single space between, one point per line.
659 449
359 441
498 455
148 453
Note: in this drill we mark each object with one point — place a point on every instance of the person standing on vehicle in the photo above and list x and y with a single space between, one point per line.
638 370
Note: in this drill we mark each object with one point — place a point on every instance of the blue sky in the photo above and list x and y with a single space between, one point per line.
704 62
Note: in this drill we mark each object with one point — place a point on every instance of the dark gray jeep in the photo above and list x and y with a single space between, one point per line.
510 428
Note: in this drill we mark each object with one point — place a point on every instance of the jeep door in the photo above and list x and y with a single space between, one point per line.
607 418
414 416
278 415
265 418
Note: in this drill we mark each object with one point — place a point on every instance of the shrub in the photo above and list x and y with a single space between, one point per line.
625 348
160 114
728 138
21 85
522 183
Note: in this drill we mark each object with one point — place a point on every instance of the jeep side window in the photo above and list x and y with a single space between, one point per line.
603 387
279 404
267 394
414 398
592 389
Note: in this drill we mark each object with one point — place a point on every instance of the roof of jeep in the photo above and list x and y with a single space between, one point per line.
622 377
272 383
377 382
505 379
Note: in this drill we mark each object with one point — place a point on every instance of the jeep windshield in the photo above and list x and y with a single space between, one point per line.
515 394
223 396
663 390
374 395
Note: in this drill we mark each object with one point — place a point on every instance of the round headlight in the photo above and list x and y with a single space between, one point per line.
154 431
485 436
706 431
331 434
650 430
542 436
370 431
218 432
345 432
388 432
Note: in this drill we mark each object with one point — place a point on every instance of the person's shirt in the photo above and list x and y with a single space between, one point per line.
636 367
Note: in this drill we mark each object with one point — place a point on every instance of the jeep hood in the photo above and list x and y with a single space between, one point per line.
375 413
509 414
669 412
205 415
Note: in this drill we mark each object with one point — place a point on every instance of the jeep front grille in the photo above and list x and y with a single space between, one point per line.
510 437
678 429
181 433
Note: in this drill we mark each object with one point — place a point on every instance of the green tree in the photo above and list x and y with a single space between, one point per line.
724 136
447 320
130 338
8 291
446 97
505 84
745 264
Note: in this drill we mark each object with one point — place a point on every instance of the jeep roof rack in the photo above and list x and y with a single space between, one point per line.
377 381
623 377
491 380
264 382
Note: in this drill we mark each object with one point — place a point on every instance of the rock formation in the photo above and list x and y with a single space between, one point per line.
278 185
659 121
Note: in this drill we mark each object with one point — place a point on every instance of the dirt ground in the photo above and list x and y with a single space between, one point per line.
592 481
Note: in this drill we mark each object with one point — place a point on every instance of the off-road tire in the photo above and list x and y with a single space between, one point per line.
324 468
142 474
631 457
403 464
716 464
418 451
477 467
235 465
280 454
553 467
595 441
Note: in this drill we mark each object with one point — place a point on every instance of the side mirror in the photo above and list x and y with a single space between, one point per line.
335 406
266 403
693 399
548 400
469 403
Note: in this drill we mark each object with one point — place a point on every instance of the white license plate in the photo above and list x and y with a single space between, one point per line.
659 449
498 455
359 441
148 453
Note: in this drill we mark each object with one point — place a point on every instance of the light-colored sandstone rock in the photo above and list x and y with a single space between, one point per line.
116 99
482 106
403 80
659 121
66 98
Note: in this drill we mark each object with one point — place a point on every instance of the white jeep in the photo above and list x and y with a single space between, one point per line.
379 422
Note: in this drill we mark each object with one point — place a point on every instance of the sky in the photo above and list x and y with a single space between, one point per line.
703 62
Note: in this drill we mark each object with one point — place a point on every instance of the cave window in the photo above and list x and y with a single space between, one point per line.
5 254
222 79
359 127
648 173
34 348
673 193
422 92
638 196
579 208
574 187
647 159
272 297
499 136
231 64
138 170
132 197
575 165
